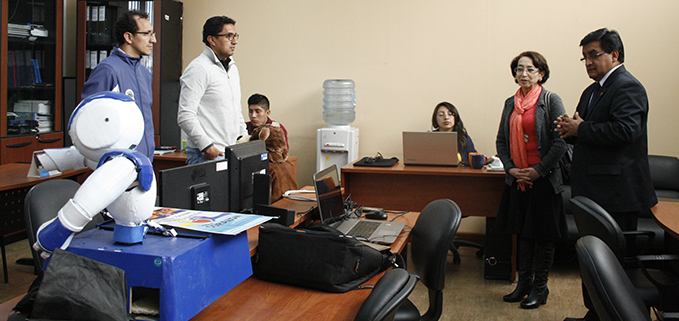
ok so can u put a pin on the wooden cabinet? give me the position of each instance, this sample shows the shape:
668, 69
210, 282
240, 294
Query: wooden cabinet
20, 149
95, 40
30, 86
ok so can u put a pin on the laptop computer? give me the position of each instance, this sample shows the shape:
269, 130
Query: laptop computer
430, 148
331, 209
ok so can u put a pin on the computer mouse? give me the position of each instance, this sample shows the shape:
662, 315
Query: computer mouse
376, 215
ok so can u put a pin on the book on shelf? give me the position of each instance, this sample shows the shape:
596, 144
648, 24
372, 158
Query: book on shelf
28, 74
42, 107
11, 71
207, 221
36, 72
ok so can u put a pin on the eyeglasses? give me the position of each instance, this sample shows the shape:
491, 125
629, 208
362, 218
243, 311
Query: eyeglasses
145, 33
229, 36
591, 57
520, 70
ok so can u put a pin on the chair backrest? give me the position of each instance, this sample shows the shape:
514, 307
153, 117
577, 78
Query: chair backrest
430, 241
664, 175
391, 290
613, 295
43, 202
593, 219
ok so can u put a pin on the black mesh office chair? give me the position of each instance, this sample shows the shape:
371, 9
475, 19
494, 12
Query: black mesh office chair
387, 296
42, 203
429, 243
592, 219
613, 295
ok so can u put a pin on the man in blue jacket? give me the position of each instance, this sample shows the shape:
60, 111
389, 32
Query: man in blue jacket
122, 71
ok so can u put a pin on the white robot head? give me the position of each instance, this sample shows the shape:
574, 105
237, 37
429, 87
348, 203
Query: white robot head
103, 122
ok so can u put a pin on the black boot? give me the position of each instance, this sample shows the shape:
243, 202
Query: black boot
526, 252
544, 256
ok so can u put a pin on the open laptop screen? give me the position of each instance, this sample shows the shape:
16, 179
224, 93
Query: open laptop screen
329, 193
430, 148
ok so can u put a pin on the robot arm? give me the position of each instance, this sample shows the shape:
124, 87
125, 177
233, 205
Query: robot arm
100, 189
61, 159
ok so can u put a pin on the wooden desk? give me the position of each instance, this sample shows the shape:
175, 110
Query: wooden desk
410, 188
254, 299
13, 188
666, 213
476, 191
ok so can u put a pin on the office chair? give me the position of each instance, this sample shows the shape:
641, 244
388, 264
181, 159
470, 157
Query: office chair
612, 293
43, 202
656, 287
429, 243
457, 242
388, 294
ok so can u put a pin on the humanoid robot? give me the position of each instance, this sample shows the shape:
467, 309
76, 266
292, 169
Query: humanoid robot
105, 129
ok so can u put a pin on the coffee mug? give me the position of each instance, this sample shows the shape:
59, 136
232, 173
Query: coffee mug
476, 160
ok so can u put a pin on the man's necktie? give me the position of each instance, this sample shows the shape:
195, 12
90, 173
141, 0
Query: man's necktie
595, 95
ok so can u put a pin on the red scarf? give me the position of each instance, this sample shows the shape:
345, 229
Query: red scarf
517, 143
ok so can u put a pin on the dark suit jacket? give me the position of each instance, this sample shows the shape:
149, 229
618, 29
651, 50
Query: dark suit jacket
610, 153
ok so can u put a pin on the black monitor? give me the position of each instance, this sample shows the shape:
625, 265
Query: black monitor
245, 160
201, 186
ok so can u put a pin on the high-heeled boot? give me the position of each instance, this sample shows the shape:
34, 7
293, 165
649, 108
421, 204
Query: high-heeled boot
544, 256
526, 250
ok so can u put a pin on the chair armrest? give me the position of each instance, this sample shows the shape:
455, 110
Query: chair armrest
658, 257
649, 241
665, 262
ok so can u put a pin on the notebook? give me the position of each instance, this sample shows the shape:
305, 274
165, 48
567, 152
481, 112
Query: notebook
430, 148
331, 209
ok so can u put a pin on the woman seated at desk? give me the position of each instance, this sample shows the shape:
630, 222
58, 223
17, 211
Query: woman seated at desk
446, 118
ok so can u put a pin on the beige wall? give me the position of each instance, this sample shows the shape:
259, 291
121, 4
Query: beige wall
405, 57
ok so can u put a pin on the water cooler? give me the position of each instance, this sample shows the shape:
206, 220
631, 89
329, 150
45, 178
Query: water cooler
338, 142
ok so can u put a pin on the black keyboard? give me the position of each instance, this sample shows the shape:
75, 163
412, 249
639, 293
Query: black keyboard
363, 229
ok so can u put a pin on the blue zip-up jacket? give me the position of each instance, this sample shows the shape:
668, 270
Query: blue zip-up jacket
122, 73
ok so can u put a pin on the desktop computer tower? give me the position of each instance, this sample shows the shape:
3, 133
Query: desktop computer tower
498, 260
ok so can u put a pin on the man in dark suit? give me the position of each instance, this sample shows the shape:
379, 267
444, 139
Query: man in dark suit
608, 130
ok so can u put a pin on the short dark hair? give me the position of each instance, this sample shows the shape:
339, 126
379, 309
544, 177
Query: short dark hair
458, 127
538, 60
214, 26
260, 100
127, 23
610, 41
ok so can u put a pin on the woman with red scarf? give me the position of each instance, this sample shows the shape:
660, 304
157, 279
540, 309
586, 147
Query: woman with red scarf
530, 149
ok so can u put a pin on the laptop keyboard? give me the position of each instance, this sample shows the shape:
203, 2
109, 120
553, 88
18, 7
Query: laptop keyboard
363, 229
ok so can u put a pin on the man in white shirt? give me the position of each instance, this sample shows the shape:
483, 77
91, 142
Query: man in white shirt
209, 101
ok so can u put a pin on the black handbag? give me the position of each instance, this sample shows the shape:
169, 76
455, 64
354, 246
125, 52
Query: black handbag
76, 288
320, 258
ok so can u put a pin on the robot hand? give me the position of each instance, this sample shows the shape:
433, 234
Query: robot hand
57, 237
58, 232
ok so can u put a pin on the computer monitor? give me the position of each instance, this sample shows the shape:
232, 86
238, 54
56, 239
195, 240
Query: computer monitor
245, 160
201, 186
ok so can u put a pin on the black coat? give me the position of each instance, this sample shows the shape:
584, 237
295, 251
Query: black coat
610, 153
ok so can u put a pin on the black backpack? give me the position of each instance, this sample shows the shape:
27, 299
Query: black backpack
320, 258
